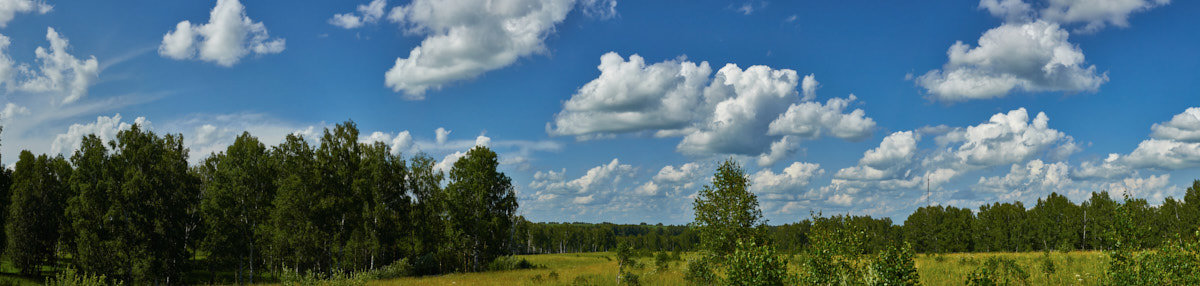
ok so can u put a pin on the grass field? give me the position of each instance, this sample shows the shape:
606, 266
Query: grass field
1074, 268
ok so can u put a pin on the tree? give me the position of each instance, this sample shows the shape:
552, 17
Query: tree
154, 205
727, 211
425, 183
298, 241
236, 203
38, 195
481, 204
92, 241
5, 196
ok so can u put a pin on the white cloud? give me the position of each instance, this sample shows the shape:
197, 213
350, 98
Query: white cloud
229, 36
1008, 138
630, 96
106, 128
888, 161
1095, 15
369, 13
673, 181
735, 112
467, 38
792, 178
399, 143
1031, 56
809, 87
12, 110
747, 101
1010, 10
599, 183
58, 71
1034, 174
1182, 127
1111, 167
10, 8
809, 119
442, 135
1164, 154
601, 9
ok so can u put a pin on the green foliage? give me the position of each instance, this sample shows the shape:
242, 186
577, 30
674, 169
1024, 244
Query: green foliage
895, 266
236, 204
70, 277
998, 271
699, 271
505, 263
36, 211
662, 261
337, 278
1174, 263
397, 269
753, 264
480, 205
726, 211
835, 255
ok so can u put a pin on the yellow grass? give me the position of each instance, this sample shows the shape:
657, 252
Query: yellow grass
1075, 268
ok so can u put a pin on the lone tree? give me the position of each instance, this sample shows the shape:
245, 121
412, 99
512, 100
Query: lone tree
727, 211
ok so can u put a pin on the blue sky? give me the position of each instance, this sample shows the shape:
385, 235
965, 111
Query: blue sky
618, 111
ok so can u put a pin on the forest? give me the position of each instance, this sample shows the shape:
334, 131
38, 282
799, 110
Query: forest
133, 210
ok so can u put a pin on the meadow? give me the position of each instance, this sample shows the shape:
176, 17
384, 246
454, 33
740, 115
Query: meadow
600, 268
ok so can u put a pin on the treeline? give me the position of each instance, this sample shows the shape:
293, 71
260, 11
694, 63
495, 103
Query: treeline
1053, 223
542, 238
132, 209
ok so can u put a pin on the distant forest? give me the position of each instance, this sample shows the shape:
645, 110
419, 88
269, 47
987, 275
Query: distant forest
134, 210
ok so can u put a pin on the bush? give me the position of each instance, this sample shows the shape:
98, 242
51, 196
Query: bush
998, 271
537, 279
397, 269
895, 266
699, 272
1047, 264
504, 263
553, 275
753, 264
70, 277
630, 279
426, 264
662, 261
337, 278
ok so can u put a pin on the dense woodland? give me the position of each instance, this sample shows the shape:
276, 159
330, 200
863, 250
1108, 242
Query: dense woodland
134, 210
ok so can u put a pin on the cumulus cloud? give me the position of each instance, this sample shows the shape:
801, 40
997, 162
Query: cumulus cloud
442, 135
630, 96
1096, 15
1182, 127
105, 127
369, 13
464, 39
448, 162
229, 36
1031, 56
599, 184
57, 73
752, 112
790, 180
809, 119
673, 181
887, 161
1010, 10
748, 100
1032, 174
398, 143
1009, 138
12, 110
10, 8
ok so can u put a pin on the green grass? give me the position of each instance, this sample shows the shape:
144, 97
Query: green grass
1074, 268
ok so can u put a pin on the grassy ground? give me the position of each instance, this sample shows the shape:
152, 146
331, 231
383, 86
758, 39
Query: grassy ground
1075, 268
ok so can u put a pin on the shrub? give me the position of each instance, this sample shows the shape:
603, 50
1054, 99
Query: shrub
998, 271
553, 275
699, 272
400, 268
504, 263
70, 277
337, 278
895, 266
662, 261
753, 264
1047, 264
537, 279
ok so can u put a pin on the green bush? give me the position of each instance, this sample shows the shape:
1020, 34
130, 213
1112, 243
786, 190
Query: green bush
400, 268
998, 271
699, 271
662, 261
504, 263
70, 277
895, 266
337, 278
753, 264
